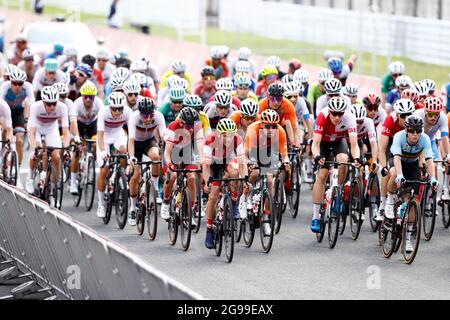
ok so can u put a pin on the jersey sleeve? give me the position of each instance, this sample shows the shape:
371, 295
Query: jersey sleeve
3, 90
199, 137
240, 155
161, 123
132, 126
32, 120
207, 148
371, 133
282, 148
385, 84
320, 124
101, 120
64, 115
6, 114
427, 150
388, 125
290, 114
443, 120
396, 148
30, 92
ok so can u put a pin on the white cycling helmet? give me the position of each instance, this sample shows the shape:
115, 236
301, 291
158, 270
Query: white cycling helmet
178, 66
301, 75
422, 88
179, 83
223, 97
243, 66
138, 66
351, 90
293, 88
122, 73
131, 86
140, 78
216, 52
249, 108
116, 100
244, 53
287, 78
324, 75
430, 84
396, 67
274, 61
70, 51
404, 106
225, 50
224, 84
62, 88
102, 54
49, 94
117, 83
359, 111
333, 86
18, 75
337, 104
403, 81
9, 69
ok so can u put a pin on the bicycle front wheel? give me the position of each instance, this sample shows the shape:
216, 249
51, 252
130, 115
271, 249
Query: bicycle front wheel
249, 223
334, 217
185, 220
151, 207
89, 185
173, 220
121, 191
429, 212
411, 232
356, 209
278, 203
228, 229
294, 194
374, 201
266, 221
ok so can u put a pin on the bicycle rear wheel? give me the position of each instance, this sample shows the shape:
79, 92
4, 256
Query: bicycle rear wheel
428, 212
140, 217
388, 237
89, 185
446, 214
198, 204
80, 177
218, 237
228, 229
173, 220
413, 234
278, 203
12, 174
356, 208
333, 220
374, 201
185, 220
249, 223
121, 191
266, 237
109, 199
294, 194
151, 207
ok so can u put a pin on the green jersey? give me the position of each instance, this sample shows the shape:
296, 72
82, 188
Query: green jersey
168, 113
314, 94
387, 83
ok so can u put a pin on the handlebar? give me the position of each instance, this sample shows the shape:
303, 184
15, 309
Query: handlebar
148, 163
185, 170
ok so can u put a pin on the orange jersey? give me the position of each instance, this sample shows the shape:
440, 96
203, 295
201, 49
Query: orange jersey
255, 139
286, 111
236, 117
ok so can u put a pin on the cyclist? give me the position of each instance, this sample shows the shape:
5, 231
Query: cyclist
275, 61
68, 61
171, 109
194, 101
63, 90
395, 122
333, 88
147, 85
285, 109
151, 71
223, 156
412, 95
86, 109
318, 89
340, 71
246, 116
109, 132
18, 94
409, 148
105, 66
43, 122
423, 93
82, 73
294, 65
28, 65
117, 80
396, 69
227, 85
181, 137
302, 76
269, 75
334, 125
7, 70
244, 68
372, 103
58, 50
243, 90
206, 88
47, 76
146, 129
172, 82
218, 62
16, 52
131, 90
220, 108
178, 68
244, 54
97, 74
402, 83
351, 91
265, 146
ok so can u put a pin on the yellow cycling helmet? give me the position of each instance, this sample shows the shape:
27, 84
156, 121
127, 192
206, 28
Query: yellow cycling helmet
226, 126
88, 89
268, 70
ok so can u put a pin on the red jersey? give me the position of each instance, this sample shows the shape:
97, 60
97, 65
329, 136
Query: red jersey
391, 126
180, 137
215, 150
330, 132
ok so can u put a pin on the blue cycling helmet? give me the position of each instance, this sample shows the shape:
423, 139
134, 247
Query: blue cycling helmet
58, 48
86, 69
335, 65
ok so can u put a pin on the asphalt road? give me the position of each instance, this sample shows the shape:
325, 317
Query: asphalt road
296, 268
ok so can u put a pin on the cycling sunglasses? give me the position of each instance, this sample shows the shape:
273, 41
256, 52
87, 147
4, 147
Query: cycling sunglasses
270, 126
243, 86
102, 60
276, 99
18, 84
208, 78
248, 118
51, 72
133, 94
406, 115
116, 109
359, 122
397, 74
219, 106
188, 126
372, 107
337, 114
414, 130
177, 102
50, 104
88, 97
433, 114
291, 97
271, 77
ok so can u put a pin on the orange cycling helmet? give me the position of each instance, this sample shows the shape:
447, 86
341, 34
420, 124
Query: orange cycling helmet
270, 116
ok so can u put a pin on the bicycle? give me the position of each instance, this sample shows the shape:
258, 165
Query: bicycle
428, 206
372, 198
224, 225
180, 209
279, 199
86, 174
293, 182
146, 206
393, 231
9, 164
116, 193
261, 198
445, 204
332, 206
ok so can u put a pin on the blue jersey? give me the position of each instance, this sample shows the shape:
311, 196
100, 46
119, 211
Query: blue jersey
411, 153
392, 97
447, 89
252, 84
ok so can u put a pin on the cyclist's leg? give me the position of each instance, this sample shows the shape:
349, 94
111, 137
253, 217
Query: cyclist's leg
139, 149
341, 151
18, 122
101, 180
53, 139
391, 188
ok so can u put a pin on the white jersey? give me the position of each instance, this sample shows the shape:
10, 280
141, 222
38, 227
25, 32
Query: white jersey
40, 80
70, 107
211, 110
83, 115
45, 122
5, 115
301, 110
441, 125
108, 124
380, 116
322, 102
367, 130
139, 131
133, 108
163, 96
15, 101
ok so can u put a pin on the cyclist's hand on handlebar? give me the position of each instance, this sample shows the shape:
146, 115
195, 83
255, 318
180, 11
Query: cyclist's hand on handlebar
104, 155
358, 163
132, 161
384, 171
400, 180
77, 139
374, 167
434, 183
319, 160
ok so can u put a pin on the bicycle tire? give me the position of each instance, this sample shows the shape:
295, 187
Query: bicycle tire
249, 225
374, 199
218, 237
60, 188
198, 204
414, 206
185, 220
173, 220
151, 207
294, 194
323, 223
278, 203
335, 214
238, 230
445, 213
356, 207
388, 237
89, 187
140, 218
11, 171
109, 199
77, 198
266, 245
121, 203
228, 229
428, 215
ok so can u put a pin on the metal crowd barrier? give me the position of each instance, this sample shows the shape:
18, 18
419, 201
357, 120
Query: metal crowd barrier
70, 260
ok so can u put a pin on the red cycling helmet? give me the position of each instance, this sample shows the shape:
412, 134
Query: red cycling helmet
433, 104
371, 100
411, 94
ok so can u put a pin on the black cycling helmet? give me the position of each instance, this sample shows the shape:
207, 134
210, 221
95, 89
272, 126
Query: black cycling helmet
276, 89
188, 115
89, 60
208, 71
123, 62
146, 105
414, 122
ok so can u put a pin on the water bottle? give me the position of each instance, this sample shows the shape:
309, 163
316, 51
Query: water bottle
401, 209
255, 203
220, 210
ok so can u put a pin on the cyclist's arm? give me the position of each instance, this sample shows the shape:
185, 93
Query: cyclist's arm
32, 137
428, 155
66, 137
354, 148
168, 153
74, 127
200, 142
398, 165
101, 140
131, 147
382, 148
